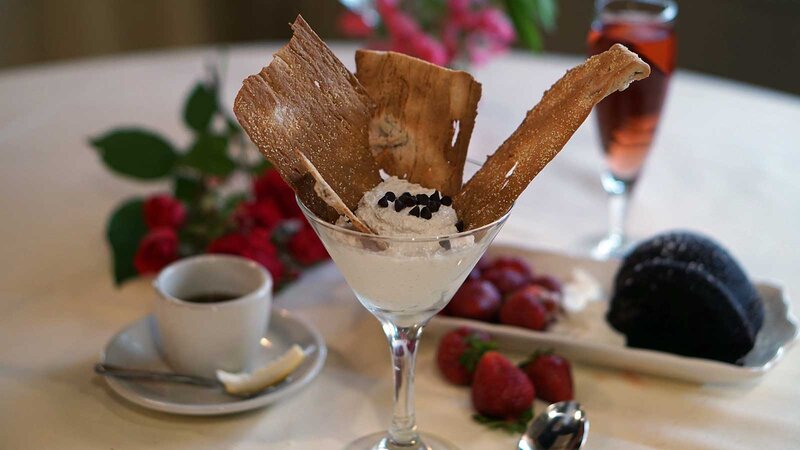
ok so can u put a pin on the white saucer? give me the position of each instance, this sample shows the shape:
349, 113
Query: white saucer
136, 347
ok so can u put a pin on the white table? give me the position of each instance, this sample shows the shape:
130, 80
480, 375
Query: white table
725, 163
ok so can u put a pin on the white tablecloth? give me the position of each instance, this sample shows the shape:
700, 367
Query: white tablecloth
725, 163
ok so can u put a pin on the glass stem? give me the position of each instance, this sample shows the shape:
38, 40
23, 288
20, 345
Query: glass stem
619, 191
617, 215
403, 343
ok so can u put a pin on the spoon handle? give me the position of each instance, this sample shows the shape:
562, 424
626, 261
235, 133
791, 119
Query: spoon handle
147, 375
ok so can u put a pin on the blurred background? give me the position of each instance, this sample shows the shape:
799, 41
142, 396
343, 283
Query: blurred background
755, 41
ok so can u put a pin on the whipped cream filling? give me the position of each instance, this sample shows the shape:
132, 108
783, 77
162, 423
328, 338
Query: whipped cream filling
387, 221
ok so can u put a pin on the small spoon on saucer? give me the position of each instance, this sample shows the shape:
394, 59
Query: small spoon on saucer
109, 370
562, 426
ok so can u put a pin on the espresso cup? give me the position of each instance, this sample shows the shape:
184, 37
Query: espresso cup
200, 333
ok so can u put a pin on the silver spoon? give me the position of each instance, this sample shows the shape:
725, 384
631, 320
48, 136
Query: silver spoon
562, 426
109, 370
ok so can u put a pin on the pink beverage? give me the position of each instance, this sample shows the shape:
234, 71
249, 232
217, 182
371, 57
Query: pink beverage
628, 119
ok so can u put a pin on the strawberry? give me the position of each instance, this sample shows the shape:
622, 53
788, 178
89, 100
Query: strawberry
500, 389
475, 299
513, 263
552, 376
505, 279
459, 352
548, 282
524, 308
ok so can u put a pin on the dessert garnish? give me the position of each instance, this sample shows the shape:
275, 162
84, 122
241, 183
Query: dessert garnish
489, 194
328, 132
263, 377
423, 120
306, 101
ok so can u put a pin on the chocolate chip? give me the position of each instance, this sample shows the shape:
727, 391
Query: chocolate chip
383, 203
435, 196
414, 211
405, 194
390, 196
434, 205
460, 226
425, 213
399, 204
445, 244
447, 201
422, 199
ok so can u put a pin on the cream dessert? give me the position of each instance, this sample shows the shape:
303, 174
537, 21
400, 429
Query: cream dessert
399, 208
411, 277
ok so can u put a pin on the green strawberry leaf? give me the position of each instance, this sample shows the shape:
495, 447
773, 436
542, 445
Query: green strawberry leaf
476, 347
136, 153
125, 229
200, 107
535, 355
509, 426
209, 155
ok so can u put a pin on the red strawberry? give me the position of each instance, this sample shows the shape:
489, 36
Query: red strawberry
513, 263
500, 389
475, 299
459, 352
505, 279
552, 376
548, 282
524, 308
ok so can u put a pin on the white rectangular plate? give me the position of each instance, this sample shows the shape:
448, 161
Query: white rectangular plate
587, 337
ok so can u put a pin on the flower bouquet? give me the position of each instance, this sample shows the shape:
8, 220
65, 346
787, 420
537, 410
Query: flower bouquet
204, 212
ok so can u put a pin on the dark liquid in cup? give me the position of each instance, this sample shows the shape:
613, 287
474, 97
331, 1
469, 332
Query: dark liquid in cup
211, 297
628, 119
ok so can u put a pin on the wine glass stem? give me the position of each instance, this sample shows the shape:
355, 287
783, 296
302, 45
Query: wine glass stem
617, 215
403, 342
619, 192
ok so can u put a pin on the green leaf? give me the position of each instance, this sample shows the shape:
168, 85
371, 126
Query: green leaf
136, 153
476, 347
125, 229
509, 426
233, 127
200, 107
524, 16
209, 155
187, 188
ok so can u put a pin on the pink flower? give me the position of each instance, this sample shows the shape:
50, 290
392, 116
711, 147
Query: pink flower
353, 25
255, 245
429, 49
270, 185
493, 23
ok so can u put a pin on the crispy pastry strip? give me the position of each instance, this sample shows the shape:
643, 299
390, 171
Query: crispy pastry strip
424, 117
306, 100
491, 192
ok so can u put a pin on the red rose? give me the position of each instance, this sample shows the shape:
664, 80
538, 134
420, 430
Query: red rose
270, 185
255, 245
306, 246
263, 213
163, 211
157, 249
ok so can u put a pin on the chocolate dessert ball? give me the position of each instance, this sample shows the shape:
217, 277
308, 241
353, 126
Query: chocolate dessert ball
683, 293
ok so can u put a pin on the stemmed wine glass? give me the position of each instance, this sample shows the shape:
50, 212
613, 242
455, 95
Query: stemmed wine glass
627, 120
403, 282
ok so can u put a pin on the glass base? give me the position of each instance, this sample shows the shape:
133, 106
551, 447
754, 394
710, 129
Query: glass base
612, 246
380, 441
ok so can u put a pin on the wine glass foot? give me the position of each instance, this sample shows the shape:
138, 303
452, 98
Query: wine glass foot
612, 246
380, 441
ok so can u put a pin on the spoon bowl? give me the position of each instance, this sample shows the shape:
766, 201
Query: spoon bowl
562, 426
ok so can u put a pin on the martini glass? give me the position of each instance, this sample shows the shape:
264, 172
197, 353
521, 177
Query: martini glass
403, 282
